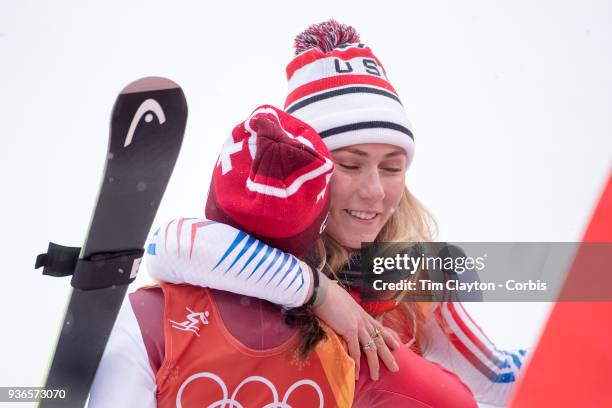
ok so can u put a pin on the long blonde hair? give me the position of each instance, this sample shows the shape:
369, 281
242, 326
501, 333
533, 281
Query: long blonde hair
410, 222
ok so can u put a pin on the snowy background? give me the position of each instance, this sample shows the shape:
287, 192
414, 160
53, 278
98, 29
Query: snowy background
510, 103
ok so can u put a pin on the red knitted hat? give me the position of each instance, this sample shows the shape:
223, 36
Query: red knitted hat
271, 181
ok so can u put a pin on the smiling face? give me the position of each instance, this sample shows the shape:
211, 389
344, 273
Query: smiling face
366, 187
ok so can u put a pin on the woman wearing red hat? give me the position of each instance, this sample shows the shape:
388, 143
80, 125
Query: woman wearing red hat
183, 345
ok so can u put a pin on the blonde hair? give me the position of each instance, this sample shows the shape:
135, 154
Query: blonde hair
410, 222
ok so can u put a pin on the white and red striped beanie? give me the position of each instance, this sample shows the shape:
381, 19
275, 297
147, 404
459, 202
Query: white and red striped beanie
271, 180
341, 89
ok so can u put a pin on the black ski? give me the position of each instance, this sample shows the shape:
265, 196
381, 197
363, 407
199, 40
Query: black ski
147, 127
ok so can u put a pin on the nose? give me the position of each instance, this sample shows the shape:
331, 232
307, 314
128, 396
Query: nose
371, 188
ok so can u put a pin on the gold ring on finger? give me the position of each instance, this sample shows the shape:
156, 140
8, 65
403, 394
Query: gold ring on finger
377, 333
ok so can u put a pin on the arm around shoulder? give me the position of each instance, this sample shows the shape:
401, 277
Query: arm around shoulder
210, 254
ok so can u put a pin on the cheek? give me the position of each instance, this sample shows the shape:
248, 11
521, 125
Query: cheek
340, 193
339, 190
394, 190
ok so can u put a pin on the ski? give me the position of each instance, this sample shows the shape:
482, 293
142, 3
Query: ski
147, 126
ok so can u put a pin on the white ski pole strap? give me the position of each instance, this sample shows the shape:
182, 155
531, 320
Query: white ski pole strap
97, 271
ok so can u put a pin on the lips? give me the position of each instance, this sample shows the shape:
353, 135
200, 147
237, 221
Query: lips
362, 215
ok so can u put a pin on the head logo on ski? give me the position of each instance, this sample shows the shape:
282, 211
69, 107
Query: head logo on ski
146, 106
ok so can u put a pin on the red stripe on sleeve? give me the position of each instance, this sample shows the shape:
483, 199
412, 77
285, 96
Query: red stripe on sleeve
194, 229
166, 235
178, 236
467, 353
471, 335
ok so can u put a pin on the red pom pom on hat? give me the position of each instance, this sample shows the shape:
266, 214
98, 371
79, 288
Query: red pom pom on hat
271, 181
325, 36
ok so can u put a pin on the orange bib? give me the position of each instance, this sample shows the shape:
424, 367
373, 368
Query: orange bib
204, 365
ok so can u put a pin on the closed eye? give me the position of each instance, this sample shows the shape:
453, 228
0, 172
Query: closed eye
348, 166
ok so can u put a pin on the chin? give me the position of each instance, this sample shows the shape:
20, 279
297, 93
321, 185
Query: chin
353, 245
350, 237
356, 244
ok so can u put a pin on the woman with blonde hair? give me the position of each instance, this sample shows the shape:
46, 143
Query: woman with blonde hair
340, 88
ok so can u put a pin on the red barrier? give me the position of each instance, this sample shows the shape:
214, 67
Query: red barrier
572, 364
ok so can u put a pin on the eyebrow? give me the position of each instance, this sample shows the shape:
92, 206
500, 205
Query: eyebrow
395, 153
359, 152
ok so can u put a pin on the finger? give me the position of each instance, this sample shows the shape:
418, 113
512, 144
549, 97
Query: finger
385, 355
354, 353
370, 353
382, 340
391, 338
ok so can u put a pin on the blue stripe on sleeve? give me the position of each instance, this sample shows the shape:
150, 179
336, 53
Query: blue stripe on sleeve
291, 267
151, 249
261, 261
505, 378
233, 245
299, 272
277, 254
516, 359
245, 248
285, 258
257, 250
301, 284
